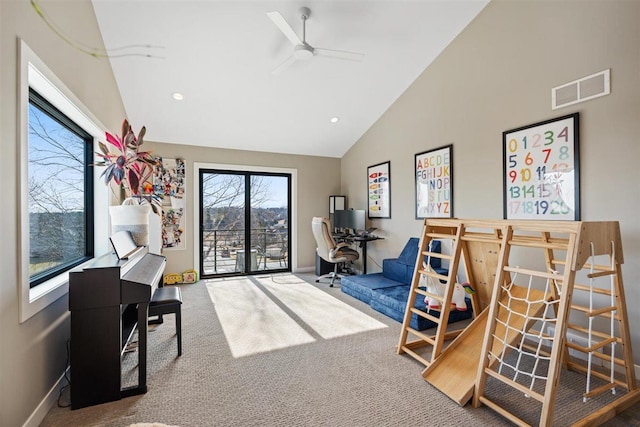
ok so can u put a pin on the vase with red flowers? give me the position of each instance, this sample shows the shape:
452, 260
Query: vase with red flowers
130, 169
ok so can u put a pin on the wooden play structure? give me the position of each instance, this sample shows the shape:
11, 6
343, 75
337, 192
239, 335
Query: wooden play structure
549, 294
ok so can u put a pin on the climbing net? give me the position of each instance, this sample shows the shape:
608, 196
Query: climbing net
525, 306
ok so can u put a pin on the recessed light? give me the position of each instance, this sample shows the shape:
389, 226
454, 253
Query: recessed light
335, 119
177, 96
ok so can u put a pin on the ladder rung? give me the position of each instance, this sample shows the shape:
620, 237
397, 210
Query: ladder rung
601, 274
596, 267
599, 390
604, 312
437, 255
433, 274
421, 292
581, 368
585, 331
441, 236
415, 344
416, 356
607, 358
535, 273
595, 290
480, 238
429, 294
593, 348
537, 244
421, 313
586, 266
424, 337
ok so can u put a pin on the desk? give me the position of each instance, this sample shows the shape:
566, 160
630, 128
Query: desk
362, 240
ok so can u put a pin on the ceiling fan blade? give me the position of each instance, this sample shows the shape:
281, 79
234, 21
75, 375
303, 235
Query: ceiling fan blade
338, 54
284, 27
280, 68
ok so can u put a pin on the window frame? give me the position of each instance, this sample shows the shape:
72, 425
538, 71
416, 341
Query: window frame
54, 113
34, 73
293, 209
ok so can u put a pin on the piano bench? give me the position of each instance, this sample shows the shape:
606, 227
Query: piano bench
167, 300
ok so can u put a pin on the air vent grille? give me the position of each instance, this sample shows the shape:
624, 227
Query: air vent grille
593, 86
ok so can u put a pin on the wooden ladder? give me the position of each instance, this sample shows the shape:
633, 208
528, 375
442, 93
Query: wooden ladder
449, 233
579, 241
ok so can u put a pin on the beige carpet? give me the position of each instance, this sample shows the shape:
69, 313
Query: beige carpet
272, 315
329, 374
150, 425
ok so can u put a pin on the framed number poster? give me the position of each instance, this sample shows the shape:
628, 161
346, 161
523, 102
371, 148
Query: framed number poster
541, 170
434, 183
379, 190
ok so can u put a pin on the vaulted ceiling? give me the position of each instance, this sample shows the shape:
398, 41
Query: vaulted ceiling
219, 55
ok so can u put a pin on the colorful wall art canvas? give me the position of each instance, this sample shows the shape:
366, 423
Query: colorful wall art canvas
169, 185
379, 190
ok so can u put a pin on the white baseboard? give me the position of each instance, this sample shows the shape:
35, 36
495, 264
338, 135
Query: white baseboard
46, 404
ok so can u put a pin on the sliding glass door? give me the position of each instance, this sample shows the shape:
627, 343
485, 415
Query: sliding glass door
244, 222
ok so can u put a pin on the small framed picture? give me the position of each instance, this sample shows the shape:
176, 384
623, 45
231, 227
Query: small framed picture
379, 190
434, 183
541, 177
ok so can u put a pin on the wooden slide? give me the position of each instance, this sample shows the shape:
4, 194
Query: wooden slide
454, 372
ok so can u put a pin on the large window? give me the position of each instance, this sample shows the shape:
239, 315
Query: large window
242, 213
63, 215
60, 192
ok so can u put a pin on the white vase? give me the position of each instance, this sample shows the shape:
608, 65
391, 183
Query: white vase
133, 218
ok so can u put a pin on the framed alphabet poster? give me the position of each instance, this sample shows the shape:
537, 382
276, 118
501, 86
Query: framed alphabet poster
434, 183
379, 190
541, 170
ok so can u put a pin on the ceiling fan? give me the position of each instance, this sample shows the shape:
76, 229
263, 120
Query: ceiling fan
303, 50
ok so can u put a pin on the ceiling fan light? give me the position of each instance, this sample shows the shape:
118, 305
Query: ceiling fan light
302, 52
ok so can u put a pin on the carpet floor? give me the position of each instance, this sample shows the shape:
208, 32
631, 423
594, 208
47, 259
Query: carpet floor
281, 350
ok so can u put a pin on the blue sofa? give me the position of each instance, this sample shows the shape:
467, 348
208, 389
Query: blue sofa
387, 292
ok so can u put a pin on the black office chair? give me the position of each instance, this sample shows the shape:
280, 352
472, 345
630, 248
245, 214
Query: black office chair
167, 300
328, 250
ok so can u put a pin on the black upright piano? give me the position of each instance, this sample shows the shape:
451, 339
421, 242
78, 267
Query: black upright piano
108, 299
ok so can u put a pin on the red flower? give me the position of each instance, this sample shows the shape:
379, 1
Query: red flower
128, 166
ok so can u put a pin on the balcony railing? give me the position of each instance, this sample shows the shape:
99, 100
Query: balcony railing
223, 250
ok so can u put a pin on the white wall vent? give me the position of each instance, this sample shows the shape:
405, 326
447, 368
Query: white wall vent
593, 86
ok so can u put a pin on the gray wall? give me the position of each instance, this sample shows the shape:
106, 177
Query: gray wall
33, 354
497, 75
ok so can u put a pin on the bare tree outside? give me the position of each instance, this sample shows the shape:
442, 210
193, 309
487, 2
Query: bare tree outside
56, 193
224, 214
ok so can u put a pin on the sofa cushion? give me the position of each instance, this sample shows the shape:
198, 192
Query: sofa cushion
397, 271
409, 252
401, 269
361, 286
393, 301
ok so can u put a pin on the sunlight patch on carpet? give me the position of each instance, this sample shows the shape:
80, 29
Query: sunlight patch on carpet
251, 321
328, 316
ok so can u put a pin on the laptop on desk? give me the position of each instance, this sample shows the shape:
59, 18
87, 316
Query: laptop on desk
367, 232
